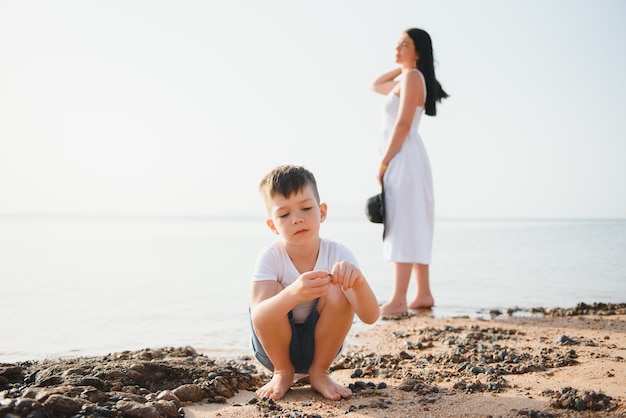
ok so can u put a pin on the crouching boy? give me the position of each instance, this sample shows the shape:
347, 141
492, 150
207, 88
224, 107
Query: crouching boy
305, 289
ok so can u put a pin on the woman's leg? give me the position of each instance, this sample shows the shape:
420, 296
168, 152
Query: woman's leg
423, 297
397, 303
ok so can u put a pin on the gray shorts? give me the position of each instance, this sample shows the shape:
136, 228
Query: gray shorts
302, 344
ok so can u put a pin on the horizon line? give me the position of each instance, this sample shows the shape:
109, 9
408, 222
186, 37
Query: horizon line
249, 216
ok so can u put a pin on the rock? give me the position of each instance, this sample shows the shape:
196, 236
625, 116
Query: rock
31, 392
135, 409
167, 409
102, 411
38, 413
44, 393
78, 380
25, 406
63, 405
94, 395
99, 386
116, 396
168, 395
220, 387
80, 371
408, 384
565, 340
191, 393
11, 373
135, 376
49, 377
112, 375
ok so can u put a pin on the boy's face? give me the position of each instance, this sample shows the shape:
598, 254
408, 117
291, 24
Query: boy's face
296, 218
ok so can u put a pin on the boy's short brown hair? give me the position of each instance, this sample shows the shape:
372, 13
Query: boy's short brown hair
285, 180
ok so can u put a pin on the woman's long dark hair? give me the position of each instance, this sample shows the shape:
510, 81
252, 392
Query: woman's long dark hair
426, 65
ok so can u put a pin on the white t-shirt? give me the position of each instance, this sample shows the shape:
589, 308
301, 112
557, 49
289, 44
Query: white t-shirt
275, 264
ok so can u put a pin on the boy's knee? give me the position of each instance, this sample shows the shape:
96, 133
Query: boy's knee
337, 302
261, 322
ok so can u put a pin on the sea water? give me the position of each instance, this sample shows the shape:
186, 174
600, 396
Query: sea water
84, 285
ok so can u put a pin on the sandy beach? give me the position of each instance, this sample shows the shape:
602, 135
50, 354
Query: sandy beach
560, 363
565, 362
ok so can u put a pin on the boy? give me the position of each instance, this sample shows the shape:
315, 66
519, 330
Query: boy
305, 289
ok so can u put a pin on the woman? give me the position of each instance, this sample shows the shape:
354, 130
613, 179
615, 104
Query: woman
405, 169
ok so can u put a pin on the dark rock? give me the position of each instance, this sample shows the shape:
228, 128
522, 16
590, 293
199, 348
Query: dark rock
63, 405
573, 399
11, 373
117, 396
102, 411
138, 410
49, 376
565, 340
38, 413
77, 380
167, 409
25, 406
94, 395
220, 387
404, 355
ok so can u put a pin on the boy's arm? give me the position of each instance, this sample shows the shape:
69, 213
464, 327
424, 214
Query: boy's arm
362, 298
357, 291
269, 299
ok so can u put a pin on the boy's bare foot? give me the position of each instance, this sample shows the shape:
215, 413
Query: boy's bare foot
327, 387
422, 302
390, 308
276, 388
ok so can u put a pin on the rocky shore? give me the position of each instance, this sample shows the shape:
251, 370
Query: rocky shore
146, 383
540, 363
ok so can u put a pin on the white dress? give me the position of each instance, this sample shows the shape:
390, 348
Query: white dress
409, 199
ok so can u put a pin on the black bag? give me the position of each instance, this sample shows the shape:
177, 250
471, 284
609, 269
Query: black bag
375, 208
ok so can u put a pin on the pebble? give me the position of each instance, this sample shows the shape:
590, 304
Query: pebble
578, 400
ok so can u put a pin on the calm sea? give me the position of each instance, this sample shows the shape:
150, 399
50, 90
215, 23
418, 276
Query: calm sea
74, 286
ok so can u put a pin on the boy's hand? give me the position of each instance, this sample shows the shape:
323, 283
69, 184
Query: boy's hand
345, 275
311, 285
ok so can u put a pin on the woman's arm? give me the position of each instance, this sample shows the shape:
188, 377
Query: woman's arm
411, 95
386, 82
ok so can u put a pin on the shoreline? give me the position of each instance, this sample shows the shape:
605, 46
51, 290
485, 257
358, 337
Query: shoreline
556, 362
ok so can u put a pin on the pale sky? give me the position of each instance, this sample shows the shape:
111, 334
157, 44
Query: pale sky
147, 107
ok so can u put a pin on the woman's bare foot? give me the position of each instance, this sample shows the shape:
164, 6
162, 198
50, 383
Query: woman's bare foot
422, 302
391, 308
327, 387
276, 388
